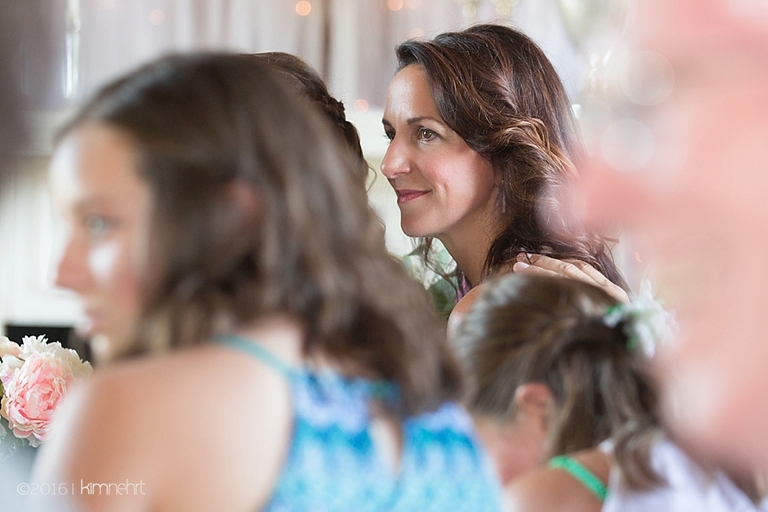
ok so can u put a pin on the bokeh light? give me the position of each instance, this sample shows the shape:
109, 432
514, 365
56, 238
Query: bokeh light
156, 17
627, 145
303, 8
648, 79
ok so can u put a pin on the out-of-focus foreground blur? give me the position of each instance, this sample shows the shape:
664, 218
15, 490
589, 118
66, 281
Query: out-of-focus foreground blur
680, 163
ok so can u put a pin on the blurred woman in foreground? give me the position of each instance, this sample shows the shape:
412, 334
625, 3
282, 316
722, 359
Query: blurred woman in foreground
268, 352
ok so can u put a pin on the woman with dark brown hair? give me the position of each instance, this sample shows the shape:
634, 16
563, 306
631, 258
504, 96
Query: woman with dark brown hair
482, 145
266, 352
557, 371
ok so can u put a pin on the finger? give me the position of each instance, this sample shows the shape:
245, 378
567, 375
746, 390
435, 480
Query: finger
591, 271
561, 267
576, 270
522, 267
603, 282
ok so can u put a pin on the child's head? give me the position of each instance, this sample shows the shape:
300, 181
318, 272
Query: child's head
539, 358
203, 194
308, 83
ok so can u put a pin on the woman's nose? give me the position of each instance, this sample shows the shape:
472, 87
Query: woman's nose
395, 162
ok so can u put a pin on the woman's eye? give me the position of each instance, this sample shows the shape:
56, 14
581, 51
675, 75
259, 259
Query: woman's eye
97, 226
389, 135
426, 134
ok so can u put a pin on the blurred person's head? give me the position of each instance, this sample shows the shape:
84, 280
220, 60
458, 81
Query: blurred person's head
547, 376
696, 207
492, 88
308, 83
201, 195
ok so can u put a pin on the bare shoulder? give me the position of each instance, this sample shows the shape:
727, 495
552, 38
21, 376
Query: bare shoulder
541, 490
461, 309
553, 490
173, 422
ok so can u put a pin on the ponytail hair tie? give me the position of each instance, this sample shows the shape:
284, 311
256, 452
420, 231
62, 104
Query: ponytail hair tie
643, 320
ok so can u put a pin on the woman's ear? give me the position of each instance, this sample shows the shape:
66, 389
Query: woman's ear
535, 400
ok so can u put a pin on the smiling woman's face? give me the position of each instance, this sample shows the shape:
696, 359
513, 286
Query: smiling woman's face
106, 206
443, 186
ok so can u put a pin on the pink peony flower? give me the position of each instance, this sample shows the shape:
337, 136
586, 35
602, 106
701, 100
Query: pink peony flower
34, 385
7, 347
9, 359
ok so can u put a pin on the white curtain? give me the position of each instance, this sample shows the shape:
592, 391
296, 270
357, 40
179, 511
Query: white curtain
351, 42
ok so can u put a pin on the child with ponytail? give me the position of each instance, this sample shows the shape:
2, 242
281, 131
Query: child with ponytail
559, 389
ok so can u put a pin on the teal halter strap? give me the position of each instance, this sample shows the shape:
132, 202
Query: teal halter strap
580, 473
254, 349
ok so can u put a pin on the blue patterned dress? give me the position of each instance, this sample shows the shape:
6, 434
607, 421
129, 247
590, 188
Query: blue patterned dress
334, 465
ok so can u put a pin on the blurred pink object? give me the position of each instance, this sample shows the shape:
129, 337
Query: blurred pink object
34, 382
697, 207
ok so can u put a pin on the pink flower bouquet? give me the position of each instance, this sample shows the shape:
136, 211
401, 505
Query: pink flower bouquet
34, 378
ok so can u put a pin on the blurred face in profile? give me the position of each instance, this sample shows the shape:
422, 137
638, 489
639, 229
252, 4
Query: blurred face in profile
696, 207
106, 206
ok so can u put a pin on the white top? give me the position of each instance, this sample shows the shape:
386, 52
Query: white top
689, 488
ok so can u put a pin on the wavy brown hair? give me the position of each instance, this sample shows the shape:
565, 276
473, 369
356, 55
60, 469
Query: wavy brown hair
495, 88
550, 330
203, 124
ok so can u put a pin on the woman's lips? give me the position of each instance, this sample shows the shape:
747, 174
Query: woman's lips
404, 195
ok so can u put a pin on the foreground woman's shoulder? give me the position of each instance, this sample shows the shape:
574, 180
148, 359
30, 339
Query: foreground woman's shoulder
170, 422
461, 309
